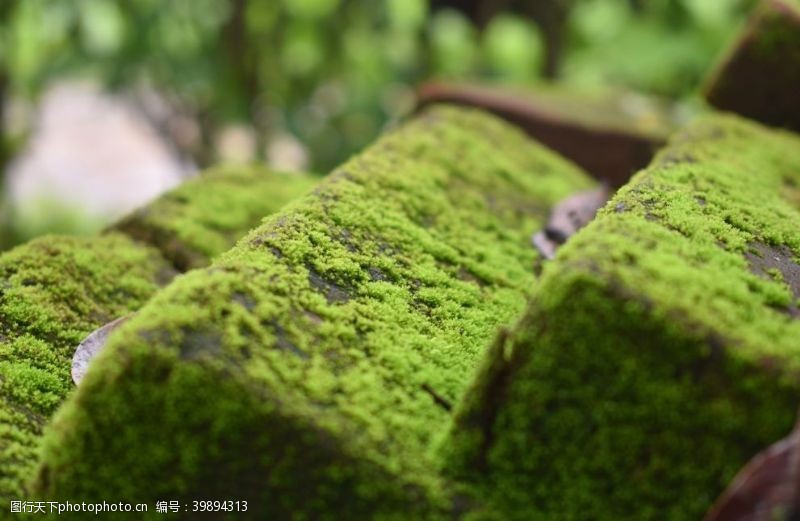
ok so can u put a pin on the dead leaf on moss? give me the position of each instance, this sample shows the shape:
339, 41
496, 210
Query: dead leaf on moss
567, 217
767, 488
90, 346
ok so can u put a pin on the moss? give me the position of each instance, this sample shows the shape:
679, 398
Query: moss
205, 216
310, 369
768, 48
55, 290
660, 355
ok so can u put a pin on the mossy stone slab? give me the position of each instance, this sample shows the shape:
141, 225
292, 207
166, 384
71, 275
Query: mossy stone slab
610, 134
206, 215
55, 290
311, 369
760, 75
662, 350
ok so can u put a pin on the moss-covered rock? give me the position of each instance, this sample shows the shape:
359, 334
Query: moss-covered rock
206, 215
760, 75
610, 134
55, 290
310, 370
663, 348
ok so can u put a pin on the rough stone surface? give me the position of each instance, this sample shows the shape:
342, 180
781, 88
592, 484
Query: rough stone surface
658, 358
56, 290
760, 75
310, 369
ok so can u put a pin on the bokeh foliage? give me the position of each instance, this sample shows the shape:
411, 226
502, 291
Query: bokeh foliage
665, 47
332, 73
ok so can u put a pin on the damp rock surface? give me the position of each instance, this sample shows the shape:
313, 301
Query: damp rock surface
311, 368
661, 349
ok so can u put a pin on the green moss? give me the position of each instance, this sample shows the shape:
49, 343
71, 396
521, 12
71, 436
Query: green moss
55, 290
660, 354
311, 368
206, 215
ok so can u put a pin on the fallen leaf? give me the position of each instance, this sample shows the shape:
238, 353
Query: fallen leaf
767, 488
90, 346
567, 217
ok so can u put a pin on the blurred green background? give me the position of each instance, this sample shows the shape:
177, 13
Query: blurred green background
316, 80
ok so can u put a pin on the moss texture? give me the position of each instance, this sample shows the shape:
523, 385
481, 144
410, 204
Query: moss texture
662, 350
55, 290
311, 368
206, 215
760, 75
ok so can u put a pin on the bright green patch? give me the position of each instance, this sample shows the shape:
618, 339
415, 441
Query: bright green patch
658, 357
206, 215
56, 290
311, 368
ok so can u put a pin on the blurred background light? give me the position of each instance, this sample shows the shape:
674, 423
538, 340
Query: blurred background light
177, 85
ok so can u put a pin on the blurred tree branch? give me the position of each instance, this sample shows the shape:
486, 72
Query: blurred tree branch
551, 17
241, 57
